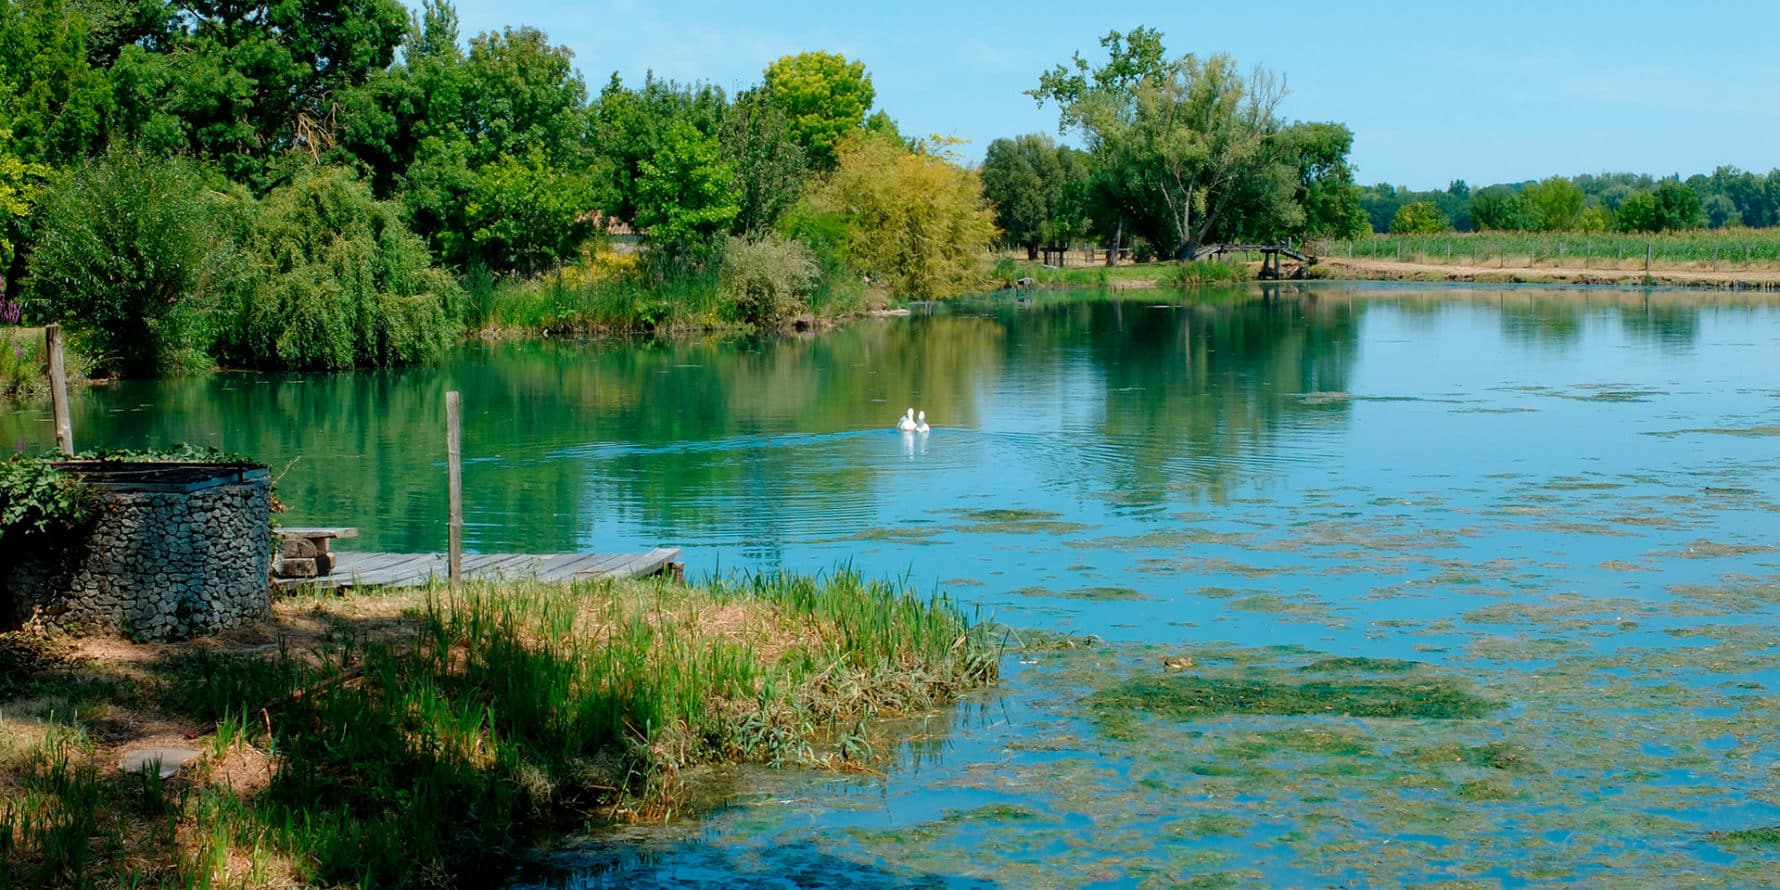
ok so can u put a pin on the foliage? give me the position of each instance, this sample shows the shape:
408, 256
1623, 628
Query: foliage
1420, 218
38, 504
631, 127
1038, 189
1668, 207
129, 256
1179, 143
56, 103
20, 184
914, 222
1505, 209
769, 279
825, 96
336, 281
769, 165
1556, 202
524, 214
686, 192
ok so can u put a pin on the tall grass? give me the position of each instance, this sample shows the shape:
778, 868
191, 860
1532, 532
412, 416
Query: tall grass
1165, 273
23, 368
1719, 250
510, 708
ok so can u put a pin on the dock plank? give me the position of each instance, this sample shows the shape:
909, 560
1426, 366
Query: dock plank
358, 568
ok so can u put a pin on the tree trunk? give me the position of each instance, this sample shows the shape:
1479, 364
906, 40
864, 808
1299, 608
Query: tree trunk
1031, 253
1112, 253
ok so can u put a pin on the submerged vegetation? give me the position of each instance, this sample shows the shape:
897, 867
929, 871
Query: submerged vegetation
391, 751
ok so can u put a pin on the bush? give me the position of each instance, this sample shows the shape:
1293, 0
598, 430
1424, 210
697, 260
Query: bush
128, 257
1420, 218
769, 279
337, 282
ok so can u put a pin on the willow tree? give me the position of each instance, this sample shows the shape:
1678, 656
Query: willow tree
1181, 141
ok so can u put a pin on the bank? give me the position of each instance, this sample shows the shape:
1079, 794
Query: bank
403, 739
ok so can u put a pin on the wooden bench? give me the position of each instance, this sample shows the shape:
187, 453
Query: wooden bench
304, 553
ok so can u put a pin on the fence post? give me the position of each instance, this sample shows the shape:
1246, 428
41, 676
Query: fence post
454, 469
1649, 247
58, 388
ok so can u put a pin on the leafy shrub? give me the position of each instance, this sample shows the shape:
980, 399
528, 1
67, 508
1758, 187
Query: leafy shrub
1420, 218
337, 282
128, 257
769, 279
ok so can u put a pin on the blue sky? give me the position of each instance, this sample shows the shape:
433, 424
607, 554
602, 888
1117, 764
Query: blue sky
1487, 92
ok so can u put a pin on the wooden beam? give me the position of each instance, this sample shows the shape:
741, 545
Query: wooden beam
58, 388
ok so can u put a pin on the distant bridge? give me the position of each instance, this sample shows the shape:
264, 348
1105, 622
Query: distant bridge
1270, 254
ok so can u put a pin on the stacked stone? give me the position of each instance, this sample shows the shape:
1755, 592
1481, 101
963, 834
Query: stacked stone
156, 564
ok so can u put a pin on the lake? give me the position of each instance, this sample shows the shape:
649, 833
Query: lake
1473, 584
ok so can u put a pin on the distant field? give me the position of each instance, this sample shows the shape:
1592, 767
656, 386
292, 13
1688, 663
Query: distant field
1728, 250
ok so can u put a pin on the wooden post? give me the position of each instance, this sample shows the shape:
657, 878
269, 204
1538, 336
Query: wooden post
454, 469
1648, 248
58, 388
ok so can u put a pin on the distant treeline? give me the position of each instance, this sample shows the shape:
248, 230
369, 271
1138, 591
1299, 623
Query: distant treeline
1626, 202
309, 183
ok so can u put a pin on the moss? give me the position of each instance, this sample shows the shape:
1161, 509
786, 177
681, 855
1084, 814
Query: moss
1194, 697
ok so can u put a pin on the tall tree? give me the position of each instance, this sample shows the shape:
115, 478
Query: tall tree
686, 191
825, 95
1189, 136
769, 165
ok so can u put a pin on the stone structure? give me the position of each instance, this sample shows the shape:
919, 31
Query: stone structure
175, 550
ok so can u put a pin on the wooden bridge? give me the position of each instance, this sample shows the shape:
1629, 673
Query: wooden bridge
1270, 254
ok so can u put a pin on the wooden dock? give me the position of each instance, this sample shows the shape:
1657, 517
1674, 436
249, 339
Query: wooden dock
360, 569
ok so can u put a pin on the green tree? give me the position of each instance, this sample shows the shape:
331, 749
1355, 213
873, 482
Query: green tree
333, 280
1188, 139
826, 97
524, 214
1503, 208
1667, 207
1325, 186
686, 193
630, 127
241, 83
769, 165
915, 222
128, 255
58, 104
1556, 201
1420, 218
1024, 179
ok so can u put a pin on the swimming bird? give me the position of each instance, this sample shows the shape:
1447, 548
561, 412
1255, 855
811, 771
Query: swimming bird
906, 423
921, 422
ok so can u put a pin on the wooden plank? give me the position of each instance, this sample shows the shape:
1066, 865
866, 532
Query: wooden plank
603, 566
318, 532
373, 569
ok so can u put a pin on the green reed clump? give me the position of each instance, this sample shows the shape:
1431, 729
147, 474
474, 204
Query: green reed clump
50, 821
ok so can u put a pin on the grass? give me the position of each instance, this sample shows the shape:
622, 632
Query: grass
1157, 274
1716, 250
403, 752
23, 373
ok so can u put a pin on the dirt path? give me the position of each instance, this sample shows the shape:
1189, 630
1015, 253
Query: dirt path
1388, 270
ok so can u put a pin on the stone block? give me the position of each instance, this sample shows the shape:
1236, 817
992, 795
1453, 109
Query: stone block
299, 548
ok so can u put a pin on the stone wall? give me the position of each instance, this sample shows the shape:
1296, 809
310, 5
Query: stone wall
161, 560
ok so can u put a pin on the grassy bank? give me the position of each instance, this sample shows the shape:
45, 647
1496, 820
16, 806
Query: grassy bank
422, 739
1008, 272
22, 364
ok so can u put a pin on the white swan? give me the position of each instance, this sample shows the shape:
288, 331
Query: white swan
921, 423
906, 423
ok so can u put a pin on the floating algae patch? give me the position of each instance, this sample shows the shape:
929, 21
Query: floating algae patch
1747, 432
1361, 665
904, 535
1009, 521
1704, 549
1505, 756
995, 812
1083, 593
1748, 838
1196, 697
1297, 605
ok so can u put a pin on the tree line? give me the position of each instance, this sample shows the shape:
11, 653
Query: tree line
1624, 202
307, 183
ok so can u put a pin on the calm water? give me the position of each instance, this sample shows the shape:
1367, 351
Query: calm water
1565, 498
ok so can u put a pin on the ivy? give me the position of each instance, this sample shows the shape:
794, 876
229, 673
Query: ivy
38, 501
